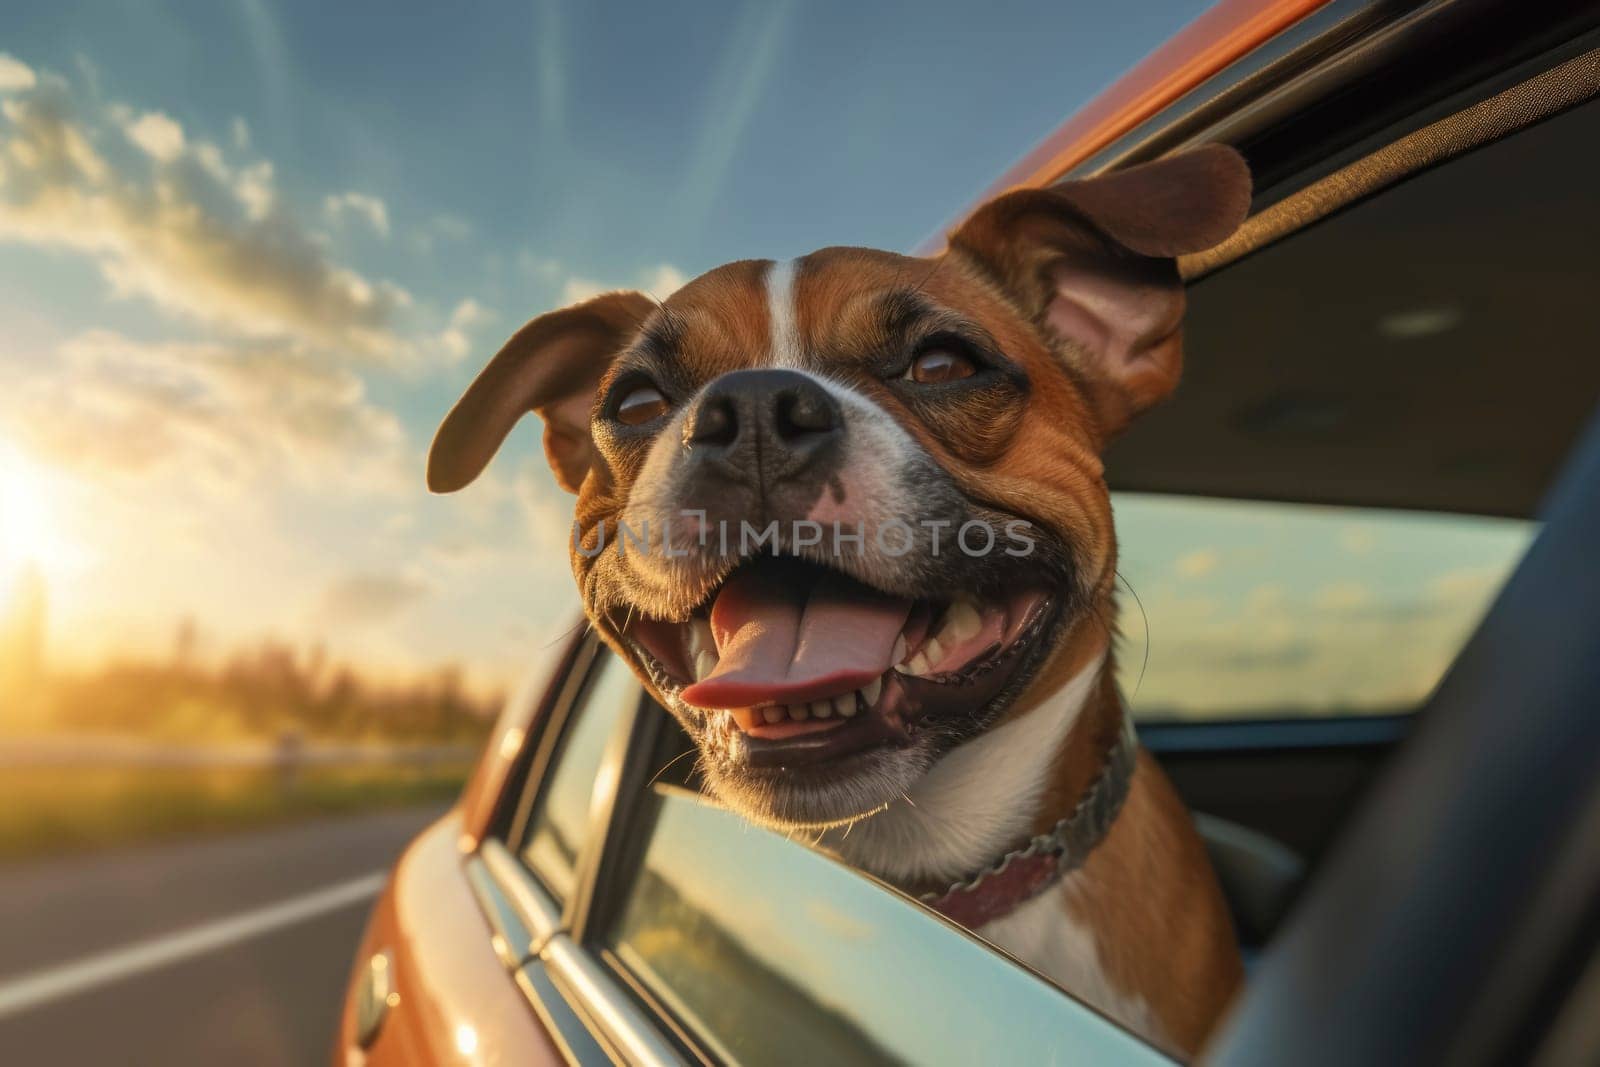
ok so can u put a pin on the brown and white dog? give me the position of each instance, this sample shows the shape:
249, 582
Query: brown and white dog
784, 472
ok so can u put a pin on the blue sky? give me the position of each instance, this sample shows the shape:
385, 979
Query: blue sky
611, 138
250, 252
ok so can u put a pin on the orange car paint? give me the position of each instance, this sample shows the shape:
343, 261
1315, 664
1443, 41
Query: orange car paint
457, 1002
1217, 38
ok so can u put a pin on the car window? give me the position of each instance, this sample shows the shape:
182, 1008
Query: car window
766, 952
1394, 375
561, 817
1243, 608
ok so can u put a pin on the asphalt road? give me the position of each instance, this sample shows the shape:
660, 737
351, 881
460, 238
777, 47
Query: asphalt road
229, 950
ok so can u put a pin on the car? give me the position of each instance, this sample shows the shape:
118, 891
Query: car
1392, 365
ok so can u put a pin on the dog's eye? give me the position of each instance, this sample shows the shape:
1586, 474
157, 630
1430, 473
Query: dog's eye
940, 364
641, 404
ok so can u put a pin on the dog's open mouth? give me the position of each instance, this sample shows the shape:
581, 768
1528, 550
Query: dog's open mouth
807, 664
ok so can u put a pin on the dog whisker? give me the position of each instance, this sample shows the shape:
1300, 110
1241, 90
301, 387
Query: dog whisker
657, 776
583, 625
1146, 619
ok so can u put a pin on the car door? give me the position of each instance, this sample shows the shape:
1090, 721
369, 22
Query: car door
657, 927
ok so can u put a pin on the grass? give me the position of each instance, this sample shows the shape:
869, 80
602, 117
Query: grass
54, 810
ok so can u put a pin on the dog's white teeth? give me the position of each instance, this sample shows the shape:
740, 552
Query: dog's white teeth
818, 709
932, 652
917, 665
898, 656
961, 621
700, 639
704, 663
845, 706
869, 693
773, 713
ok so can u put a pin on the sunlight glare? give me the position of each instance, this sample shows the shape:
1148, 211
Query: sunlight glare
466, 1039
30, 532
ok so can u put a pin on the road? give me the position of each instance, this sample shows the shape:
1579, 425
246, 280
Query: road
223, 950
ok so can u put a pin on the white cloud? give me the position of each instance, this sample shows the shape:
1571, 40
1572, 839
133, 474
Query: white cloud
663, 281
157, 134
254, 187
660, 282
579, 289
456, 338
368, 208
256, 413
1198, 564
546, 515
15, 74
185, 229
239, 130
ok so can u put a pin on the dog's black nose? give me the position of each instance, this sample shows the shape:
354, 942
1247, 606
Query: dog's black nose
769, 423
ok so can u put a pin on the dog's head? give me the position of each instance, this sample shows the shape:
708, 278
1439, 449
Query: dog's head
843, 513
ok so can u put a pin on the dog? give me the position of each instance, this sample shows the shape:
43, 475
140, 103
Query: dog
845, 517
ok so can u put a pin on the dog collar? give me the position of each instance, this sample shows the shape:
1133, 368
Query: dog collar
1023, 873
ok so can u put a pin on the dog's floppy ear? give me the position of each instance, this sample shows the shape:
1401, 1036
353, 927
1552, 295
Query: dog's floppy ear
551, 366
1092, 262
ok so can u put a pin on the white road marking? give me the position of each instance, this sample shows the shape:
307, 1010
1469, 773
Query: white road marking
68, 979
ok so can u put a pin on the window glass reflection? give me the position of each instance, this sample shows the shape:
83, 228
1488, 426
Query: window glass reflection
1269, 609
562, 818
771, 953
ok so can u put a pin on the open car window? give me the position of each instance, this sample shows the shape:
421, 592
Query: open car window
1370, 413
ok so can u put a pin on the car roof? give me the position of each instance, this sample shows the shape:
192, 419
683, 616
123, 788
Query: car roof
1214, 40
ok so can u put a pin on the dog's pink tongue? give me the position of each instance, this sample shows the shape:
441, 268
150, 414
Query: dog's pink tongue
779, 641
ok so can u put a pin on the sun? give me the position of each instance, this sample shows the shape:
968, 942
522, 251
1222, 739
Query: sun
30, 532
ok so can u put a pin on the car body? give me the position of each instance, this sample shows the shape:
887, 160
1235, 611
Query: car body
582, 903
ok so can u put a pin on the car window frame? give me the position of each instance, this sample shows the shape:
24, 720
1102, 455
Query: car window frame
535, 783
593, 1020
523, 784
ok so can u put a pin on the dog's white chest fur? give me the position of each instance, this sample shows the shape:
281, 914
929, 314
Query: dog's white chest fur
1045, 934
977, 801
973, 804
